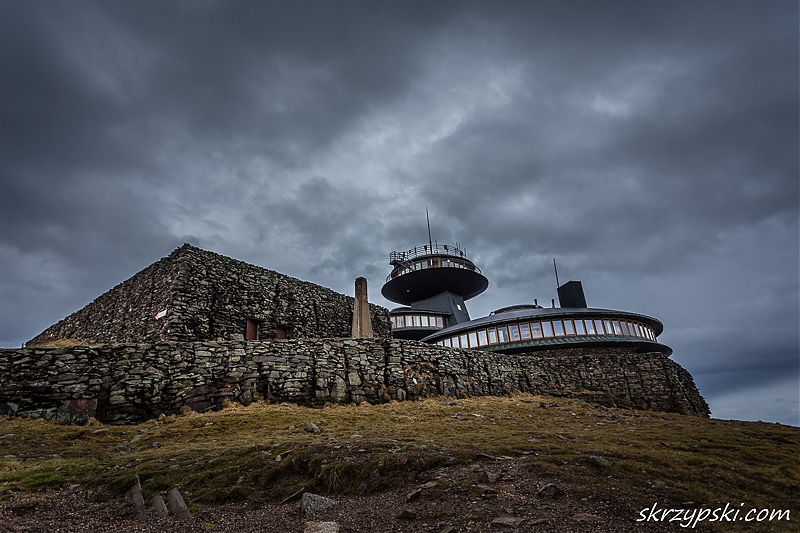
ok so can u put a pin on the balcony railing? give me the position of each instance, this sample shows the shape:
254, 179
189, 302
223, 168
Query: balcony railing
447, 257
418, 251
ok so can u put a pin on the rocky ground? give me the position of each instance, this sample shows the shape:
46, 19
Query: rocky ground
495, 494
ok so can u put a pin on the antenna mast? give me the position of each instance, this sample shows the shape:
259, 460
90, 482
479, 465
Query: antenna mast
556, 271
430, 241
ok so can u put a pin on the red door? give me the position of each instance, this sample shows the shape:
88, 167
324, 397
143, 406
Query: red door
251, 330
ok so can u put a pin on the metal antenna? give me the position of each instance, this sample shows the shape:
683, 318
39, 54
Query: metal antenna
556, 270
430, 241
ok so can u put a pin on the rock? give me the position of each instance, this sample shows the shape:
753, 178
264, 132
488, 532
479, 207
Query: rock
486, 489
134, 496
407, 514
549, 491
506, 521
177, 505
159, 506
413, 495
321, 527
585, 517
311, 503
492, 477
599, 462
311, 427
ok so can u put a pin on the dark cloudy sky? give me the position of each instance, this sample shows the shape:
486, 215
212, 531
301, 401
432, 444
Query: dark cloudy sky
651, 147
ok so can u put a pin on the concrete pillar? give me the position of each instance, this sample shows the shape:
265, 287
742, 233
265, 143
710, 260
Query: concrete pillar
362, 321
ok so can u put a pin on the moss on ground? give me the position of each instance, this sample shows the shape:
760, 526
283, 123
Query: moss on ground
262, 452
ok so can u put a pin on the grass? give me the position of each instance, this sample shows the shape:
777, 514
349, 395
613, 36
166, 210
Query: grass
261, 452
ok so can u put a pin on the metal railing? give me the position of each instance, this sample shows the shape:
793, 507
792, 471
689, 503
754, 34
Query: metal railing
434, 249
404, 262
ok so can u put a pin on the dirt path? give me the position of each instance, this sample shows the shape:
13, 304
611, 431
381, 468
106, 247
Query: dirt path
494, 495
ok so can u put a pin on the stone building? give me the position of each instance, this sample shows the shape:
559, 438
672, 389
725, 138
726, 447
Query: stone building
197, 295
196, 329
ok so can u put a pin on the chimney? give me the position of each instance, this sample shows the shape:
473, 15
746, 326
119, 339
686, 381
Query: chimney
571, 294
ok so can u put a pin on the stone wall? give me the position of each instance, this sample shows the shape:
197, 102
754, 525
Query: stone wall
207, 296
128, 383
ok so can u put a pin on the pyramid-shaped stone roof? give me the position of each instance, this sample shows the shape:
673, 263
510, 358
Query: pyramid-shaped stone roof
197, 295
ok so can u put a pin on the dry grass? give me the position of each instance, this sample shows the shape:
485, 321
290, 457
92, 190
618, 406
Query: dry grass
61, 343
254, 452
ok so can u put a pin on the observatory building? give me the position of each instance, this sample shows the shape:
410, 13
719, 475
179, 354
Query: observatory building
432, 282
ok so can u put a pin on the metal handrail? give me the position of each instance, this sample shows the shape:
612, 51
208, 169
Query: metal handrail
433, 249
397, 272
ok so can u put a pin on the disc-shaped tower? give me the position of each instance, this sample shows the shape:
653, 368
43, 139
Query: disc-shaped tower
432, 282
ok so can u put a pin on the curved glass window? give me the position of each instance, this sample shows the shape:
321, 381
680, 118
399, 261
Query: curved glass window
525, 331
473, 339
417, 321
502, 334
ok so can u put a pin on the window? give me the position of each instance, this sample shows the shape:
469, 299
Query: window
558, 328
598, 327
607, 324
439, 322
536, 330
424, 321
513, 332
617, 328
525, 330
502, 334
463, 339
625, 330
579, 330
547, 328
589, 327
473, 339
492, 332
416, 321
448, 343
400, 322
482, 341
568, 328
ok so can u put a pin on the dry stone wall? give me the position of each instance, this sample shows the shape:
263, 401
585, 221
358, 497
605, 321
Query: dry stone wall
197, 295
129, 383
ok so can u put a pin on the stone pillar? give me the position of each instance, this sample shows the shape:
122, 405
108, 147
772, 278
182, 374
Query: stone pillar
362, 321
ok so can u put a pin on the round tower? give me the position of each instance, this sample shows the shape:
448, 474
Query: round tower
432, 282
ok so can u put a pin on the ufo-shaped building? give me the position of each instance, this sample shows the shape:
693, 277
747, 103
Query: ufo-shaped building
432, 282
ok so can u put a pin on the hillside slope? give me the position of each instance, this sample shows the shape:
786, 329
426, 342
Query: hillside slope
526, 463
